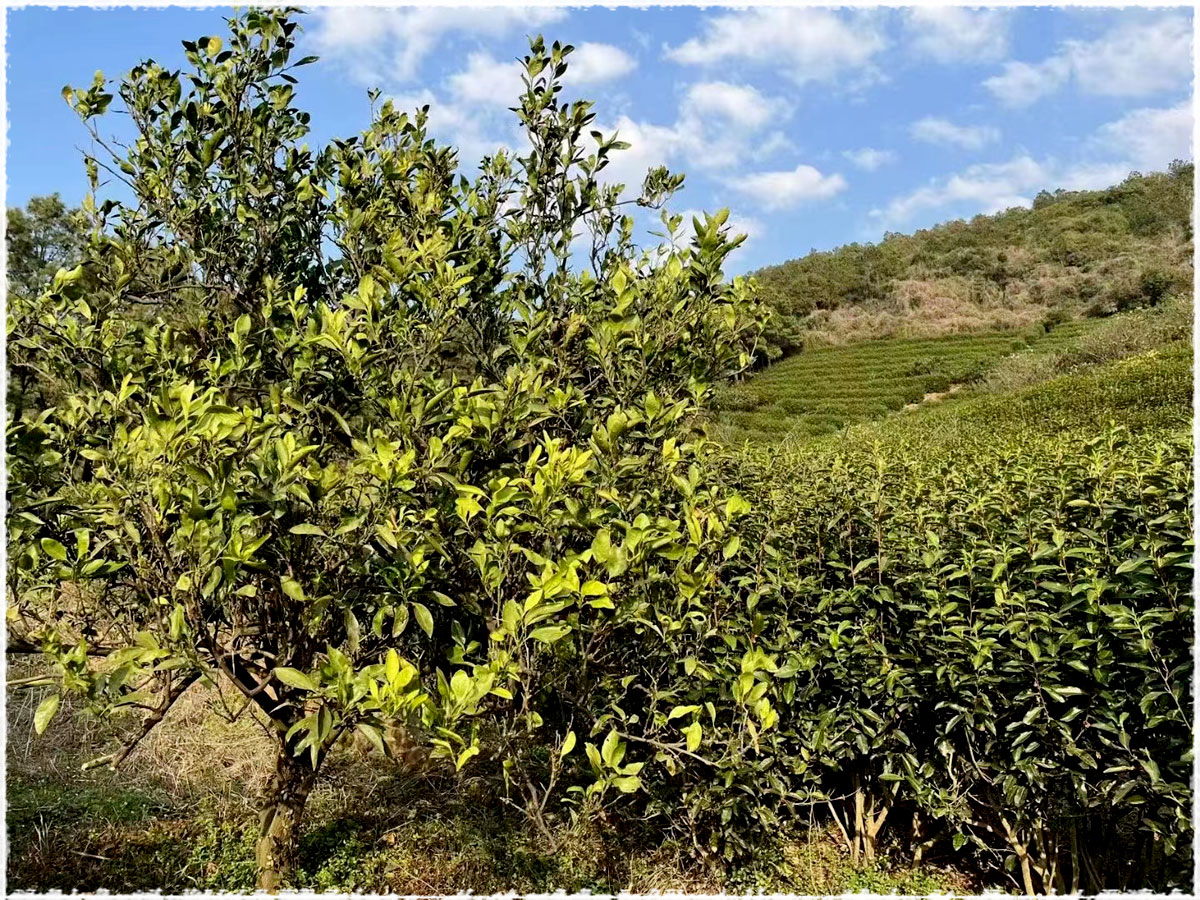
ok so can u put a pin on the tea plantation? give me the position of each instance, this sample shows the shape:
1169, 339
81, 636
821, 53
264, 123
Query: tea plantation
361, 539
997, 631
822, 390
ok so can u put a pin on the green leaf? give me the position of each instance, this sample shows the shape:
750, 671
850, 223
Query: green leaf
308, 528
609, 749
627, 784
400, 622
295, 678
424, 618
1151, 768
463, 757
292, 588
178, 623
46, 711
548, 634
53, 548
693, 733
682, 711
372, 734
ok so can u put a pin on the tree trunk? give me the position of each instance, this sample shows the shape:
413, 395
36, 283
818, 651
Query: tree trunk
277, 850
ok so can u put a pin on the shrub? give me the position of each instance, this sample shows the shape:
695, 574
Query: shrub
1054, 318
924, 365
735, 399
995, 650
1155, 284
444, 479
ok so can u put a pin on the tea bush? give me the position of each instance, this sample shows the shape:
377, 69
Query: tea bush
818, 391
981, 634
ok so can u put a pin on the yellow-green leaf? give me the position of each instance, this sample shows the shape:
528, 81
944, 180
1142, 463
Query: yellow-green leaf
568, 744
548, 634
627, 784
308, 528
295, 678
292, 588
46, 711
53, 548
424, 618
465, 756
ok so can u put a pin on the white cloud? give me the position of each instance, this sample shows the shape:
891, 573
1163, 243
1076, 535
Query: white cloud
650, 145
789, 188
387, 47
487, 81
1145, 139
806, 45
722, 125
1132, 60
719, 126
737, 104
939, 131
987, 187
1089, 176
382, 46
598, 63
950, 34
1135, 60
868, 158
1021, 84
1149, 138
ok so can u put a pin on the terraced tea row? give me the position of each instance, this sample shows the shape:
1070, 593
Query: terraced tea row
823, 390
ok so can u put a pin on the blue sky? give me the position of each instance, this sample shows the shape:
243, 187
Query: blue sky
815, 126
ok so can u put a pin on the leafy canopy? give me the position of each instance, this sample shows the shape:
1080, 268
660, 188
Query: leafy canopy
352, 432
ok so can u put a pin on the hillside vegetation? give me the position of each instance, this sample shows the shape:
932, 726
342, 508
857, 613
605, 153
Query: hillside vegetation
1075, 253
819, 391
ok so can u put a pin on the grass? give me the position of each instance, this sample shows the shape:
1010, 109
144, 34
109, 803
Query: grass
181, 816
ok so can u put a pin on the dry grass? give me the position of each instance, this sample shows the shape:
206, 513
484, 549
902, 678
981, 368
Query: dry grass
1124, 335
924, 308
181, 813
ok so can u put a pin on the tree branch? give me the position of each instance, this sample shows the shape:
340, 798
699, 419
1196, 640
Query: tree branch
174, 692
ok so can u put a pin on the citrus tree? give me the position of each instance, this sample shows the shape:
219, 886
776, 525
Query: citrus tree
358, 440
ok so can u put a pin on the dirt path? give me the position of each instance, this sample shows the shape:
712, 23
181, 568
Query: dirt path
935, 396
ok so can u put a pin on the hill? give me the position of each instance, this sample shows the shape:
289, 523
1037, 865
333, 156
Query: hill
1073, 254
